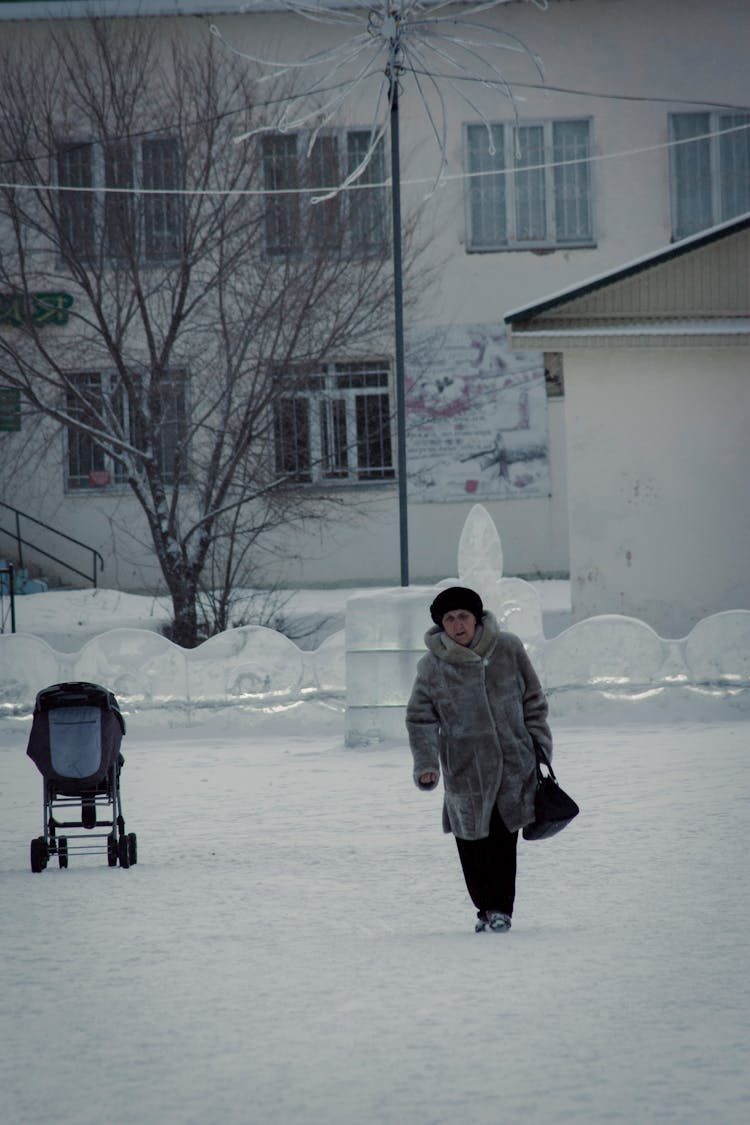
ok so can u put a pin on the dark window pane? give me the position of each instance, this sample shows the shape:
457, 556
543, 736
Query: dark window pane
367, 206
162, 214
280, 173
361, 375
325, 218
292, 437
118, 419
84, 404
554, 378
10, 409
333, 435
119, 209
374, 457
76, 209
172, 429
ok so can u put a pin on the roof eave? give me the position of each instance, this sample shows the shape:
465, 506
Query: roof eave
709, 332
630, 269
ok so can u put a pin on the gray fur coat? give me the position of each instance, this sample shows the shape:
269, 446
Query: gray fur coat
474, 714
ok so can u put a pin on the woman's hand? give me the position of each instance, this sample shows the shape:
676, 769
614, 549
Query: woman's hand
428, 778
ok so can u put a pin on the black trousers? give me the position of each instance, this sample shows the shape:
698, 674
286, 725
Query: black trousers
489, 867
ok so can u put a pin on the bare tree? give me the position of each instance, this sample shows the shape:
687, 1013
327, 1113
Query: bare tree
202, 308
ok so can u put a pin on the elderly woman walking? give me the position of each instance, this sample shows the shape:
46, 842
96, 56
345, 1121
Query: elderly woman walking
476, 710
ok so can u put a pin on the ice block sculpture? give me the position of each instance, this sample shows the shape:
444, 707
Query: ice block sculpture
515, 603
385, 631
384, 640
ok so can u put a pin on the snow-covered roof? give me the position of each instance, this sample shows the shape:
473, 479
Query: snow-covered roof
78, 9
517, 317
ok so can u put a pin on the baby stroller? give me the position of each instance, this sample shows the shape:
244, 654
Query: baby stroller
75, 744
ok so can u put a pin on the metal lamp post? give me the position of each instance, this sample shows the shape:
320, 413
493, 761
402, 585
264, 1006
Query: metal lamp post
391, 30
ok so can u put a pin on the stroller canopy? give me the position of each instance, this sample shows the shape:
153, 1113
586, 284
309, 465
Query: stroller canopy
76, 733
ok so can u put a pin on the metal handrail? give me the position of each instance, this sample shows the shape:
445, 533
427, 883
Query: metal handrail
8, 571
21, 543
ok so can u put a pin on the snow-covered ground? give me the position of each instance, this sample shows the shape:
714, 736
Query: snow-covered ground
295, 945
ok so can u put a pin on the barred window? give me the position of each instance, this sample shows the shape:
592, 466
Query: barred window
529, 186
93, 397
334, 424
709, 176
356, 219
147, 226
88, 463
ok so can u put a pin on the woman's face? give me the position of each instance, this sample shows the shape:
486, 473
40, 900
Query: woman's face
460, 625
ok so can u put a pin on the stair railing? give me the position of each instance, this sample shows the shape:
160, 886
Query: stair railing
6, 588
21, 542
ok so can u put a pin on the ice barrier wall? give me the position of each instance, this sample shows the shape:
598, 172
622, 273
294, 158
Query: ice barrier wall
253, 666
603, 663
368, 669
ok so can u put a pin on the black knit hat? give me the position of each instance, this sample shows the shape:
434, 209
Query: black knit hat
456, 597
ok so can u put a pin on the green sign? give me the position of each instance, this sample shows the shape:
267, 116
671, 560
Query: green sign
34, 308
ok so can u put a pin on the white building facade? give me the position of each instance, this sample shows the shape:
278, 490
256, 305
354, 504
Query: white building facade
659, 508
636, 134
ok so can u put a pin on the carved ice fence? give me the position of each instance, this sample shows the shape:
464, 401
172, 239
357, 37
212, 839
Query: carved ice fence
251, 666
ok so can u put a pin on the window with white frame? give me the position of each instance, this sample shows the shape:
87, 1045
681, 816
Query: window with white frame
149, 225
92, 397
356, 218
334, 424
529, 186
709, 175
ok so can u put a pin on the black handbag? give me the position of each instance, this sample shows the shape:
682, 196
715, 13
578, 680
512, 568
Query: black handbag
553, 808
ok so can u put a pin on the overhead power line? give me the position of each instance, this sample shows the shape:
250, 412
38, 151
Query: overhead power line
414, 182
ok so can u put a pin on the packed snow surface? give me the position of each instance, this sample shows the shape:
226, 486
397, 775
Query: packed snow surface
295, 945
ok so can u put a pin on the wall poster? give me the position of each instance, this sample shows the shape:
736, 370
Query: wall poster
476, 416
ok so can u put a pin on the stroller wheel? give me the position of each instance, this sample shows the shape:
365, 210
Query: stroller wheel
39, 854
132, 848
62, 851
111, 850
123, 852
